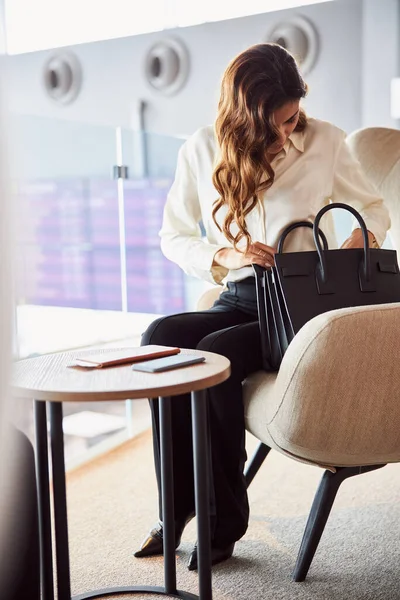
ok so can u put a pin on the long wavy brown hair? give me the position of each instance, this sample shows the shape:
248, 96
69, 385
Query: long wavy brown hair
256, 83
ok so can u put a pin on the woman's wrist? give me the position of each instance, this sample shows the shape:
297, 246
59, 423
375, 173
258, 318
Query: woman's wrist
373, 243
220, 257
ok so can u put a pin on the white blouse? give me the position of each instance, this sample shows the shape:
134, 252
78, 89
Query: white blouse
314, 168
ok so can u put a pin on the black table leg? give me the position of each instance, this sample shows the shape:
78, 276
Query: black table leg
42, 475
167, 494
167, 491
201, 482
60, 501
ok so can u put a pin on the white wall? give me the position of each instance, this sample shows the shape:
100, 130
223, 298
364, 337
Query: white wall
381, 54
114, 82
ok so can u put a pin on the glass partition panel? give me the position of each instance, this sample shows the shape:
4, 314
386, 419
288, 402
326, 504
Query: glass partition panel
68, 288
90, 269
154, 284
69, 238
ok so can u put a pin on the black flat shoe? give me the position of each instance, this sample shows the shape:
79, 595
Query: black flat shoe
217, 555
153, 545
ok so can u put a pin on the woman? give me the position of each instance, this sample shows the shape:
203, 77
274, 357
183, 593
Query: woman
263, 166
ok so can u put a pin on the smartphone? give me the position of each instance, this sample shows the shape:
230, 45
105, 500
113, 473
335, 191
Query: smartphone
167, 363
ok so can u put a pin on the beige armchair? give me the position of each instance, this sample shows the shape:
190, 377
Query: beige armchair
335, 402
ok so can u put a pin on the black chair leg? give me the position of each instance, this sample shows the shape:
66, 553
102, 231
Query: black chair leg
320, 510
257, 460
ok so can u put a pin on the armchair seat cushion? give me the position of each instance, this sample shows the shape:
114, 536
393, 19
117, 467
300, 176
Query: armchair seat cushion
336, 398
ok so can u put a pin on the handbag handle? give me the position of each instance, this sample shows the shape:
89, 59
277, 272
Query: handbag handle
367, 259
290, 228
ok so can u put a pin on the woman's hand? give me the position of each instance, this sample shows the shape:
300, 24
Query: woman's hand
258, 254
356, 240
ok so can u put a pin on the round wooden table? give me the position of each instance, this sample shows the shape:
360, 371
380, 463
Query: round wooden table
51, 379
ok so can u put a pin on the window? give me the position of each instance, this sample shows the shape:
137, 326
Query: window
186, 13
40, 24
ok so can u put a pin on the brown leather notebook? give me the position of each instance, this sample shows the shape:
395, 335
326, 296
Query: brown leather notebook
123, 356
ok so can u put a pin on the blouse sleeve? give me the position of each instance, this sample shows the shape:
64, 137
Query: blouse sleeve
351, 186
181, 239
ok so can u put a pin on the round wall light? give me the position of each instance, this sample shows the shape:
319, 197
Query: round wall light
167, 66
300, 38
62, 77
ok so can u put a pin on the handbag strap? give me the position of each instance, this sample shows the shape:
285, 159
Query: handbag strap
271, 349
366, 267
292, 226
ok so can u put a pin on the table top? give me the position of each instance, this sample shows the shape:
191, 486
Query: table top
50, 377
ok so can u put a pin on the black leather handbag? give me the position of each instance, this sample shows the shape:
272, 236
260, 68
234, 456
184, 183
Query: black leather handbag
303, 285
274, 326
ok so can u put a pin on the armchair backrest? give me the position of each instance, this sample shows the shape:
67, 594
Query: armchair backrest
378, 151
337, 394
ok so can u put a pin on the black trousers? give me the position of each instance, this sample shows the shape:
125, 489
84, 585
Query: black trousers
229, 328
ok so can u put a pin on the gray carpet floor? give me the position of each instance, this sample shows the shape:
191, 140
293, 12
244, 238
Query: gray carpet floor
112, 503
